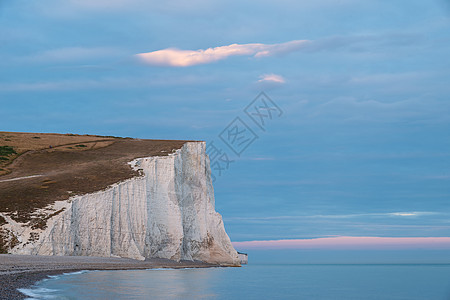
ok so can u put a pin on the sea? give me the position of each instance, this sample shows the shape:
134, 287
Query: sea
255, 281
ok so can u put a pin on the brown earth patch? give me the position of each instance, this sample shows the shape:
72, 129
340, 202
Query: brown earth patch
67, 168
22, 142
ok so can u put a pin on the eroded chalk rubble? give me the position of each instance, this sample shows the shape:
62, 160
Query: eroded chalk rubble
167, 212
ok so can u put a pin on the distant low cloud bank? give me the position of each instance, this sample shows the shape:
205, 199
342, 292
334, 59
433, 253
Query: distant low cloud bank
351, 243
173, 57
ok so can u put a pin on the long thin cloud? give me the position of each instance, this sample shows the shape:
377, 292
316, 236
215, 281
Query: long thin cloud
346, 216
173, 57
349, 243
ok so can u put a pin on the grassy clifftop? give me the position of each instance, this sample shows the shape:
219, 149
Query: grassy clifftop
14, 144
38, 169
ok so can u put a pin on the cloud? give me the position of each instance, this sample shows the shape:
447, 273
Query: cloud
405, 214
343, 216
260, 158
351, 243
104, 83
391, 78
102, 4
273, 78
71, 54
173, 57
172, 6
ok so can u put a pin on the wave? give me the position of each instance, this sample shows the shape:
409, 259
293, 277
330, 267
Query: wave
77, 272
39, 293
36, 293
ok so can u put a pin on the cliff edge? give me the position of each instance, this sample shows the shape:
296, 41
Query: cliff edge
161, 205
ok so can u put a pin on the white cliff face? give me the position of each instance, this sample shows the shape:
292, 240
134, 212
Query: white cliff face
168, 212
243, 257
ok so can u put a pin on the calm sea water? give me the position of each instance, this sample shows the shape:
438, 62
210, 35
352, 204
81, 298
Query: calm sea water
348, 282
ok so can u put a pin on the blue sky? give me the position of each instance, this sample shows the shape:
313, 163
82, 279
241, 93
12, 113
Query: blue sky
362, 146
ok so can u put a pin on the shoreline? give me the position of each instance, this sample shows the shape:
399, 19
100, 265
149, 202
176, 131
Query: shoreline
23, 271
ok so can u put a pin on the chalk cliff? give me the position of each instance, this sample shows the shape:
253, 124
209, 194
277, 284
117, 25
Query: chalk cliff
166, 212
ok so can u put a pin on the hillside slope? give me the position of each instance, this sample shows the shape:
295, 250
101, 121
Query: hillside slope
51, 167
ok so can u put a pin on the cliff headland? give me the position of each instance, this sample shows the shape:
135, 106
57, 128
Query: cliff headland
85, 195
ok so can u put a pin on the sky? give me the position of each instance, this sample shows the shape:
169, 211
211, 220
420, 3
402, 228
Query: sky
355, 140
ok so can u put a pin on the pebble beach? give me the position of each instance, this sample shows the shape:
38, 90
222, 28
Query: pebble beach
21, 271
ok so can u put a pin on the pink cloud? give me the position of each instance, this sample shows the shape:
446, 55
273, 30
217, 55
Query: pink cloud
349, 243
274, 78
173, 57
